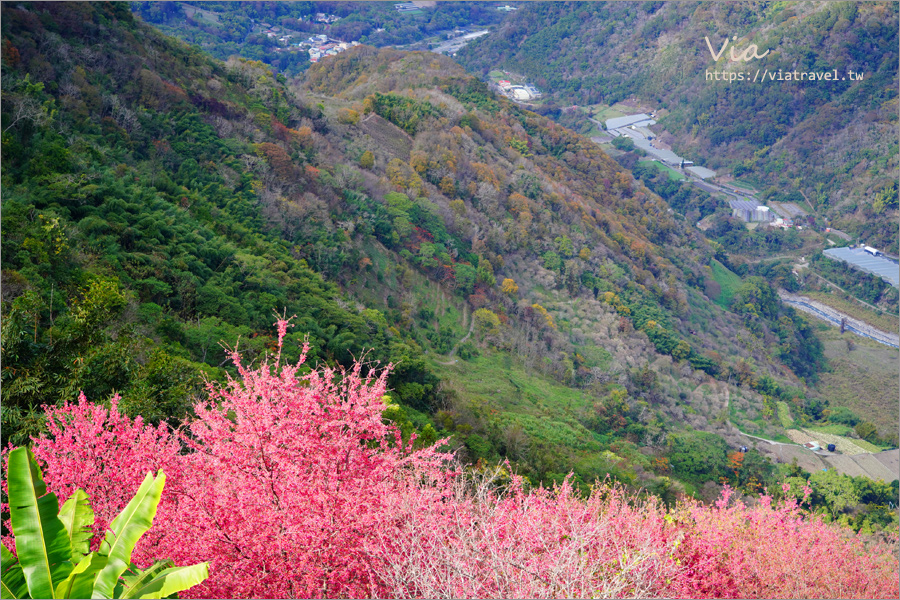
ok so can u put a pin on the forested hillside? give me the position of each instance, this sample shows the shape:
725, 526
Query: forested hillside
133, 237
829, 145
157, 202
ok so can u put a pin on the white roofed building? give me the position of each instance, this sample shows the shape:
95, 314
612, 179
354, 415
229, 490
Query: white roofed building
640, 119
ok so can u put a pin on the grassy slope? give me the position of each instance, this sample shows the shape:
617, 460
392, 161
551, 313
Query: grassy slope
863, 379
672, 173
728, 281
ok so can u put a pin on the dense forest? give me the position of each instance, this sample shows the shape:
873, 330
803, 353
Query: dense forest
830, 144
159, 204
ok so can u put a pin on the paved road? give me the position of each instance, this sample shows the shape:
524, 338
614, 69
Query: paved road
456, 43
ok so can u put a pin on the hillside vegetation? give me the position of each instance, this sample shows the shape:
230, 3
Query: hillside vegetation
828, 145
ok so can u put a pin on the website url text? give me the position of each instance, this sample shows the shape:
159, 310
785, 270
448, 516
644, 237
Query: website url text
762, 75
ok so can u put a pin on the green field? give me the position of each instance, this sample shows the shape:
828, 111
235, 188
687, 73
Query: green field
833, 429
743, 186
868, 446
784, 415
505, 394
595, 130
535, 419
672, 173
727, 280
506, 385
602, 112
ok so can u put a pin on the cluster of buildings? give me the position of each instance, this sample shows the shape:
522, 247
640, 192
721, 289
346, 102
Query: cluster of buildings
321, 46
284, 39
406, 7
783, 222
519, 93
750, 211
276, 32
325, 18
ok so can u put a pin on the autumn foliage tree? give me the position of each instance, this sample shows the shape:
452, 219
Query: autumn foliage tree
509, 287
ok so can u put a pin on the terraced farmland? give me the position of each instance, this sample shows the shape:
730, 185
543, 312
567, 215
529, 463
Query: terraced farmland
844, 445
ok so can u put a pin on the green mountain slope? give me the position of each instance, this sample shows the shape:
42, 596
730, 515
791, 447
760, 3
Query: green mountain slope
129, 220
156, 201
832, 145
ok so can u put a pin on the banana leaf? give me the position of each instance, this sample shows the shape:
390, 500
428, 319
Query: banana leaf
80, 582
140, 578
12, 579
77, 517
124, 533
164, 583
42, 544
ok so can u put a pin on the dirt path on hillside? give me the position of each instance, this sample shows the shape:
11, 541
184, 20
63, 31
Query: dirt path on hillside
462, 341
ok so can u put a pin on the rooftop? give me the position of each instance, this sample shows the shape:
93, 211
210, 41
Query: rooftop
743, 204
618, 122
876, 265
701, 172
667, 156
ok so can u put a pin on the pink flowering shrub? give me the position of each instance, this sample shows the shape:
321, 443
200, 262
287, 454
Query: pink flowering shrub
487, 543
293, 485
772, 551
103, 452
551, 544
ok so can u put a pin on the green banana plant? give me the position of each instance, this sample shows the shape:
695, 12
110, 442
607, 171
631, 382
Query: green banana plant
53, 549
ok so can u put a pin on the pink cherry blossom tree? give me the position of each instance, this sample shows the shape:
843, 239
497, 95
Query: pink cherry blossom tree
278, 481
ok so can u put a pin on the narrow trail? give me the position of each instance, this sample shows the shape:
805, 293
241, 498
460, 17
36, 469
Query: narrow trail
462, 341
769, 258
